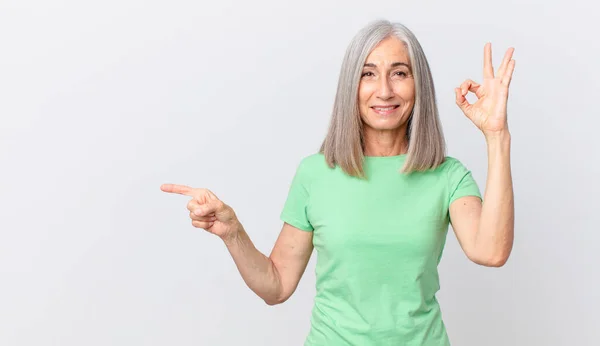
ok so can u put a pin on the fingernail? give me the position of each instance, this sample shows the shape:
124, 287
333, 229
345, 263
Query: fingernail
197, 211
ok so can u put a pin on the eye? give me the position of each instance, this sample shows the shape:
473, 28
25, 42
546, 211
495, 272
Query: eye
401, 73
367, 74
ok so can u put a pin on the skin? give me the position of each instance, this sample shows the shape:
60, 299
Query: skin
386, 80
485, 231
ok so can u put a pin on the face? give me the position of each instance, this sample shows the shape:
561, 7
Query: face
386, 93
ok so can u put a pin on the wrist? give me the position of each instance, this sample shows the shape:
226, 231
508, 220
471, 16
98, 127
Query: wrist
498, 145
497, 136
233, 236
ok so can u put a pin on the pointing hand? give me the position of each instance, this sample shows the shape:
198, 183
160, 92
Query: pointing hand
207, 211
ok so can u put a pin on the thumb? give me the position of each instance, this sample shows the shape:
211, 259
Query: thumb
212, 206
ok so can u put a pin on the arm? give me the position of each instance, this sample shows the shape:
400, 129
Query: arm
276, 277
485, 232
272, 278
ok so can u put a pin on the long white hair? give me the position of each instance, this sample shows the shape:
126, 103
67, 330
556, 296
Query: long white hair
344, 145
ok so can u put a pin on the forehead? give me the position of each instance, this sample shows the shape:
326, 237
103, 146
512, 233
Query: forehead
388, 51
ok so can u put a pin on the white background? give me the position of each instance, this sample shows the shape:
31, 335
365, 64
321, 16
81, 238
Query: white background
102, 102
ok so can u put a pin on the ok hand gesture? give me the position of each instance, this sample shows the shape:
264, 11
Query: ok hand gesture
489, 112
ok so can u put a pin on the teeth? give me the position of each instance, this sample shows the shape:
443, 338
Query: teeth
384, 108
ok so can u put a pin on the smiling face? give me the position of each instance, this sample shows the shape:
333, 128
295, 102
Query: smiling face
386, 93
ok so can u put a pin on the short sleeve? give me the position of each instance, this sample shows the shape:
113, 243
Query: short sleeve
460, 181
295, 208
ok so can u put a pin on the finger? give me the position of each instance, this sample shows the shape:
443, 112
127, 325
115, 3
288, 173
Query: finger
195, 209
193, 204
209, 208
201, 224
208, 218
461, 100
509, 73
174, 188
507, 58
210, 194
470, 85
488, 68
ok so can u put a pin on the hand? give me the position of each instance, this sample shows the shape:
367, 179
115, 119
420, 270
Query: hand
489, 112
207, 211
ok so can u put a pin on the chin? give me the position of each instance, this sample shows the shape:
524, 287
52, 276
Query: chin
376, 122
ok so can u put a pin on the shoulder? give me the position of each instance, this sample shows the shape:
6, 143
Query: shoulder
313, 163
311, 168
453, 170
459, 179
450, 161
451, 164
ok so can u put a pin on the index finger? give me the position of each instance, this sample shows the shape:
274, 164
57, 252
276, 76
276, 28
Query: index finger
174, 188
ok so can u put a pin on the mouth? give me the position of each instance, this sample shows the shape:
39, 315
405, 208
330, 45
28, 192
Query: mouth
385, 110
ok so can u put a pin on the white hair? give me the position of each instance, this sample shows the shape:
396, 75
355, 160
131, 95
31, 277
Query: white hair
343, 144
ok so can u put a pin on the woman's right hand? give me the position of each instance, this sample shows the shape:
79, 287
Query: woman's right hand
207, 211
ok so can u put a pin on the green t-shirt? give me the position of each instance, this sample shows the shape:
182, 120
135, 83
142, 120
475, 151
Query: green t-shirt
379, 242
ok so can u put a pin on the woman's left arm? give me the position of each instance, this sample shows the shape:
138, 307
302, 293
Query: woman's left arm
485, 230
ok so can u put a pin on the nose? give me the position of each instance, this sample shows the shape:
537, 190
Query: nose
385, 91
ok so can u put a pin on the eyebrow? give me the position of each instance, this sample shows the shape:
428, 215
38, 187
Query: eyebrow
396, 64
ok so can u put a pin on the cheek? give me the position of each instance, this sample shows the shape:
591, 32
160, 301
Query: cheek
406, 90
363, 96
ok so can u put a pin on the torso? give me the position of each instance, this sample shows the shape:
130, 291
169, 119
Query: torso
378, 244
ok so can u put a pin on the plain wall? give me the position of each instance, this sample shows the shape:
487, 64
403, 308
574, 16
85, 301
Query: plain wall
103, 102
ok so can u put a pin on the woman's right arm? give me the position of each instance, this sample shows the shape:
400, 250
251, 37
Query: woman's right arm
273, 278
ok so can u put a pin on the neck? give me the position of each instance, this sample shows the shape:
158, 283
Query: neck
386, 142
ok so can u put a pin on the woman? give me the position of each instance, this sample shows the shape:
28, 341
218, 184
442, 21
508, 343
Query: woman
377, 199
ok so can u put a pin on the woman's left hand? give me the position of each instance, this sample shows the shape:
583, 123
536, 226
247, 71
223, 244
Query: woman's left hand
489, 112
